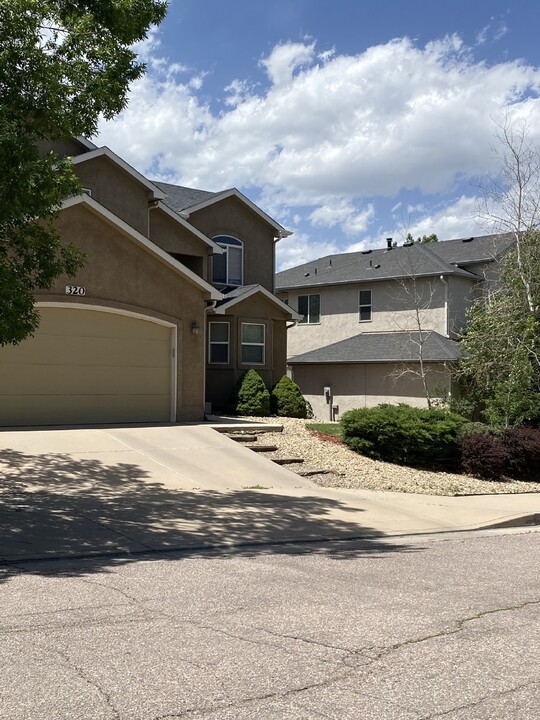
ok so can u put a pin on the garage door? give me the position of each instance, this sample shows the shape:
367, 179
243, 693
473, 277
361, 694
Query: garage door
87, 366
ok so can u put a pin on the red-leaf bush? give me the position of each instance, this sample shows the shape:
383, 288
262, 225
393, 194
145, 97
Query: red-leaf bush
483, 456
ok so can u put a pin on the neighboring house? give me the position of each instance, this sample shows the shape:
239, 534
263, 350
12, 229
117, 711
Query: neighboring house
174, 303
381, 325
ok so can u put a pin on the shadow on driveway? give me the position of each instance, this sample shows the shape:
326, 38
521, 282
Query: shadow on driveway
54, 506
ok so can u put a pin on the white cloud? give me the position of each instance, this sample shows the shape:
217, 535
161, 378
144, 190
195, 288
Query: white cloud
458, 219
329, 132
300, 249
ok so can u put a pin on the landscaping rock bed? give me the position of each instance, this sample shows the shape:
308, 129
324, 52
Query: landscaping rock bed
353, 471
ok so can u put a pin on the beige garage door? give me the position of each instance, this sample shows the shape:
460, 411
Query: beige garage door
87, 366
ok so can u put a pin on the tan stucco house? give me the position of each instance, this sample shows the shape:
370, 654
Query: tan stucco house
174, 303
376, 324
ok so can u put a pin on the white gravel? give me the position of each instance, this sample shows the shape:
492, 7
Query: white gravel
351, 470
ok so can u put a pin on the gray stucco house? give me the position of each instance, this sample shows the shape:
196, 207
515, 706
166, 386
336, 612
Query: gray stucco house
382, 325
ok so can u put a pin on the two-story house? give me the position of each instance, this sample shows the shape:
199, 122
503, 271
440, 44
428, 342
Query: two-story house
175, 301
380, 325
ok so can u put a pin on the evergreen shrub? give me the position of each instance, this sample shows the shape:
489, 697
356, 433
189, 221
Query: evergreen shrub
286, 399
404, 435
250, 396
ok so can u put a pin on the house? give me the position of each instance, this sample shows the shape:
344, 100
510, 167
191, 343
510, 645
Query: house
175, 301
381, 325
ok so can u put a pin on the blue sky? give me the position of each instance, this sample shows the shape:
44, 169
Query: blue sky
347, 121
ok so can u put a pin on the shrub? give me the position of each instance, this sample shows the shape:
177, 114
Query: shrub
522, 446
403, 434
250, 396
286, 399
512, 453
483, 456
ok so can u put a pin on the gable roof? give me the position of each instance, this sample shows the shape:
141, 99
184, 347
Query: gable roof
416, 260
239, 294
154, 191
179, 198
93, 206
468, 251
186, 200
382, 348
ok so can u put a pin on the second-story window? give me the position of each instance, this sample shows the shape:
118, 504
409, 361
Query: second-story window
309, 307
364, 305
228, 269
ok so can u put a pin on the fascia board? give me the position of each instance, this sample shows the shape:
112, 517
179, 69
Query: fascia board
144, 242
157, 194
362, 281
221, 310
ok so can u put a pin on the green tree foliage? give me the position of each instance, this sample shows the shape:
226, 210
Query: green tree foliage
423, 239
287, 400
250, 396
403, 434
62, 65
500, 364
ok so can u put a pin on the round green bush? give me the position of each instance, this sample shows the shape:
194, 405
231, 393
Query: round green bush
250, 396
287, 400
404, 435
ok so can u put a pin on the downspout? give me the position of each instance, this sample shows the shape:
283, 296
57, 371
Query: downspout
446, 328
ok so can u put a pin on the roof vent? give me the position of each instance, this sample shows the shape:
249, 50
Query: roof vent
366, 252
306, 274
467, 239
388, 243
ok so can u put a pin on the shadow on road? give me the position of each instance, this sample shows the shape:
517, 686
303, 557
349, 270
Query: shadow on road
53, 505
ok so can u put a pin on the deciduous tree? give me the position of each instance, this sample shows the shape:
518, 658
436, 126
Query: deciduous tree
63, 64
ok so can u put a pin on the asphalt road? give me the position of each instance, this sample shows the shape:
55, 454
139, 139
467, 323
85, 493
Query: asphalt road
434, 627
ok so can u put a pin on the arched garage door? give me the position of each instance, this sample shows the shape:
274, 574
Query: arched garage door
88, 366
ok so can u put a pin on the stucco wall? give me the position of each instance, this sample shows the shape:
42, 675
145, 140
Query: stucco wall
233, 217
393, 310
174, 238
120, 274
461, 293
116, 190
220, 377
364, 385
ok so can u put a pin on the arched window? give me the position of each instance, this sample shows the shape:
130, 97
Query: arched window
228, 269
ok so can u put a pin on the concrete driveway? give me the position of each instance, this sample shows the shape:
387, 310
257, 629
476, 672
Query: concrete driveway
77, 492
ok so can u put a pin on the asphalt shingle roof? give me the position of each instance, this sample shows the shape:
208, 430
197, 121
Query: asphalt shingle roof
181, 198
418, 259
383, 347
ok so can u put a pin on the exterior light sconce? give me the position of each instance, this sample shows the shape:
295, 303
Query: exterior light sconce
195, 327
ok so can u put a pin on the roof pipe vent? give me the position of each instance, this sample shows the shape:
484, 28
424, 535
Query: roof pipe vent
315, 271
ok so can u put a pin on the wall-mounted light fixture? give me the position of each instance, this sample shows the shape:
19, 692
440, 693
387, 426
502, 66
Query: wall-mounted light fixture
195, 327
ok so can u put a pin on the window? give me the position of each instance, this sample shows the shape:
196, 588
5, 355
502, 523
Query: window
218, 343
228, 269
364, 306
252, 344
309, 307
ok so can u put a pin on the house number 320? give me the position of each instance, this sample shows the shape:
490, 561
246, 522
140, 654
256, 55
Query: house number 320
75, 290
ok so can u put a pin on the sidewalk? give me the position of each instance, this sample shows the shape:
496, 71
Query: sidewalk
106, 491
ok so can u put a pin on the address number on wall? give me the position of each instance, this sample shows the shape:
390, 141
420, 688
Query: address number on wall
75, 290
